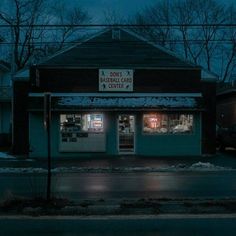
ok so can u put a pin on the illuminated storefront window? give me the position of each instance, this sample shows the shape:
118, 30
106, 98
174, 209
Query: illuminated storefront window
155, 123
180, 123
92, 122
82, 133
81, 122
167, 123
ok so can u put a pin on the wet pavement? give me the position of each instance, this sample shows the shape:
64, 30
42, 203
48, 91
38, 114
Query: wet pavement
75, 186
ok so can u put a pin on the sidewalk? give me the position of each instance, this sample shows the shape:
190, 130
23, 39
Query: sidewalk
226, 159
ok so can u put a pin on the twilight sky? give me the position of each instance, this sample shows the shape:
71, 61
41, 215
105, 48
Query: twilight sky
122, 7
96, 8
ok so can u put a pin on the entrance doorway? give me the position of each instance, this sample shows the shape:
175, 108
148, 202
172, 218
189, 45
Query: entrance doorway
126, 133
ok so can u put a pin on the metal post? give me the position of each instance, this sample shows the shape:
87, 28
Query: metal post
47, 125
13, 70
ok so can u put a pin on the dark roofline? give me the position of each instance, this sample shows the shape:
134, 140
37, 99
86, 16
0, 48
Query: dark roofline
226, 88
174, 54
226, 91
1, 39
71, 47
189, 65
118, 67
5, 65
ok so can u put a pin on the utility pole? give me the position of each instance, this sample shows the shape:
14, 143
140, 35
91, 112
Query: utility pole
13, 71
47, 125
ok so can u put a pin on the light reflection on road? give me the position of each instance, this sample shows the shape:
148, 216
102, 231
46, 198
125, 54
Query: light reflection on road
119, 185
98, 184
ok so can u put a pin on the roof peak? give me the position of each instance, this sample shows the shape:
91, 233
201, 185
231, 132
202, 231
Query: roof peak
104, 45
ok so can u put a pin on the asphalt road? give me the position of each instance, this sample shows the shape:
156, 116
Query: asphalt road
77, 186
165, 226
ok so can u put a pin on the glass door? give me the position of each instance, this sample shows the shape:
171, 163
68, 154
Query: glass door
126, 133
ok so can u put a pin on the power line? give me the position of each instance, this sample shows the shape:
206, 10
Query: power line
128, 42
117, 25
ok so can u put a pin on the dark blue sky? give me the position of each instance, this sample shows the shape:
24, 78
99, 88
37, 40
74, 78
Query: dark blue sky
122, 7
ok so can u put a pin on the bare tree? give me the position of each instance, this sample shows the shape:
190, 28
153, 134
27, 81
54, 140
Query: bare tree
203, 44
26, 12
210, 15
113, 17
199, 43
28, 40
184, 16
228, 50
68, 16
160, 13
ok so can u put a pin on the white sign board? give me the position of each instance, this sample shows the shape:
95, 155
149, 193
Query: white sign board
115, 80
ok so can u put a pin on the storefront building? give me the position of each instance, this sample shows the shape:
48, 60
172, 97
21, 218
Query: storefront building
117, 94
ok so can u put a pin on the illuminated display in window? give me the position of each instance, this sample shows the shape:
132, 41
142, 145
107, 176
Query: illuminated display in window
156, 123
167, 123
73, 126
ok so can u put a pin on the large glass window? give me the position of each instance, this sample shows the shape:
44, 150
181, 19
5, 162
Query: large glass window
155, 123
82, 133
81, 122
92, 122
167, 123
180, 123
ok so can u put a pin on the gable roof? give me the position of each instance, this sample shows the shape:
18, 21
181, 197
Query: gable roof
130, 51
1, 39
4, 66
226, 89
22, 75
209, 76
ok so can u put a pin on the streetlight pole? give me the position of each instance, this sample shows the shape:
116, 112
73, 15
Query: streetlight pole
13, 70
47, 125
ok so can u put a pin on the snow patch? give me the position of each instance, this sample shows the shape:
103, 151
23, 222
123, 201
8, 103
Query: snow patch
205, 166
4, 155
199, 166
30, 170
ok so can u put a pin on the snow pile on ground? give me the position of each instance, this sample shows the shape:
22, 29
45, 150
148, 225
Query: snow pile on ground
29, 170
206, 166
5, 156
199, 166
